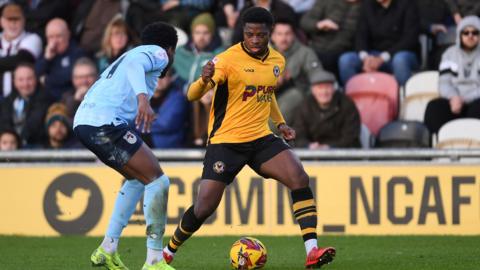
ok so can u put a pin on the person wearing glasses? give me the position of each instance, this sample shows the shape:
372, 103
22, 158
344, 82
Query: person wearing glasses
459, 83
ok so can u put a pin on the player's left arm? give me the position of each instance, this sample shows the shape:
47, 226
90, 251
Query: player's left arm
288, 133
137, 66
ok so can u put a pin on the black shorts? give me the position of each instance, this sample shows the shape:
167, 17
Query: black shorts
224, 161
113, 145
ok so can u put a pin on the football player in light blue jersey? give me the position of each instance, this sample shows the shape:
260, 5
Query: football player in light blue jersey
106, 122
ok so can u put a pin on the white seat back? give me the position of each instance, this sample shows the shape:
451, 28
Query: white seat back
419, 90
460, 133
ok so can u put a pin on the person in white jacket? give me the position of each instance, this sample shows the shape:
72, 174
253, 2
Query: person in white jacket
459, 83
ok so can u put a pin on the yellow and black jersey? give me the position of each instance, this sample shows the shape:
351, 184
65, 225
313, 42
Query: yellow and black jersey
244, 96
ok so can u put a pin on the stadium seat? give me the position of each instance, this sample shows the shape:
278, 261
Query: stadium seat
419, 90
459, 133
376, 97
403, 134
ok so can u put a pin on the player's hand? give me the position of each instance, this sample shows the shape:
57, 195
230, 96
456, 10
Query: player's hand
288, 133
208, 71
145, 114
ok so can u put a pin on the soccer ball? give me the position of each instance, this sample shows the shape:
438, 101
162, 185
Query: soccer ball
248, 253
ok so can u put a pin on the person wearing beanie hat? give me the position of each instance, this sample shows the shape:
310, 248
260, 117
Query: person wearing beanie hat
327, 118
204, 44
204, 19
58, 126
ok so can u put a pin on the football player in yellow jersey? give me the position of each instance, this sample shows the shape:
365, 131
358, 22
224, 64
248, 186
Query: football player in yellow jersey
244, 80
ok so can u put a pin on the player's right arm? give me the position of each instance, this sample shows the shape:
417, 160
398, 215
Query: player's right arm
212, 75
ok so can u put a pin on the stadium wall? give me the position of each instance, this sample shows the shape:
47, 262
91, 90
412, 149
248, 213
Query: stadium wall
352, 198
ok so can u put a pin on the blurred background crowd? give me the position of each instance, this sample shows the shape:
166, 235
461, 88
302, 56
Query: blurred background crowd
359, 73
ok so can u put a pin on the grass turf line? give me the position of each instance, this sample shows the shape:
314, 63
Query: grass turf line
211, 253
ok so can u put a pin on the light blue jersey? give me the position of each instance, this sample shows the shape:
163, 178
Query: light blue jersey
113, 97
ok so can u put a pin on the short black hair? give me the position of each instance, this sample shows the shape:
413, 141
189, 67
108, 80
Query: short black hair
161, 34
257, 15
287, 21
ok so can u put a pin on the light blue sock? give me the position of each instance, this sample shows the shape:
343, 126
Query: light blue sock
127, 199
155, 211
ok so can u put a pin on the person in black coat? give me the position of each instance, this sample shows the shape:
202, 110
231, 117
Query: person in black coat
25, 108
327, 118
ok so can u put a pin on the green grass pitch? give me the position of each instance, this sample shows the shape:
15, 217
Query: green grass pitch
211, 253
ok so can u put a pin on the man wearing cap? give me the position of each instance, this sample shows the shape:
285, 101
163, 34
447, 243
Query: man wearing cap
301, 64
327, 118
16, 45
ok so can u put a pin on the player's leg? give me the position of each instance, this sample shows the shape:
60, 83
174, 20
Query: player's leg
209, 196
221, 165
120, 148
144, 166
276, 161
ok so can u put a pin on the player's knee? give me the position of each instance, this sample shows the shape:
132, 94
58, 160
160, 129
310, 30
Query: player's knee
300, 179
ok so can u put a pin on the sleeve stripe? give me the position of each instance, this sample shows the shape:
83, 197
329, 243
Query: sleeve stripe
448, 71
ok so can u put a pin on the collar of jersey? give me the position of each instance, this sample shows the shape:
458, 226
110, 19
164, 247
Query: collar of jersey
253, 56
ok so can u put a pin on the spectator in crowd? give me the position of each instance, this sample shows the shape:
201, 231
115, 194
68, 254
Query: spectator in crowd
190, 58
90, 20
301, 63
386, 40
176, 12
24, 109
226, 13
300, 6
16, 45
56, 64
278, 8
327, 118
58, 128
9, 140
84, 74
39, 12
436, 22
461, 8
459, 82
172, 108
117, 39
331, 25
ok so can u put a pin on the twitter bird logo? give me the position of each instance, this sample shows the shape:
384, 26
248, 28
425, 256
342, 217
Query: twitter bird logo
72, 207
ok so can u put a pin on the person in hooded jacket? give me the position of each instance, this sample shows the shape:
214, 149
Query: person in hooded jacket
459, 82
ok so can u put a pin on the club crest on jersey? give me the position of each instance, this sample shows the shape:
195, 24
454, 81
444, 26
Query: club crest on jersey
219, 167
130, 137
276, 71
